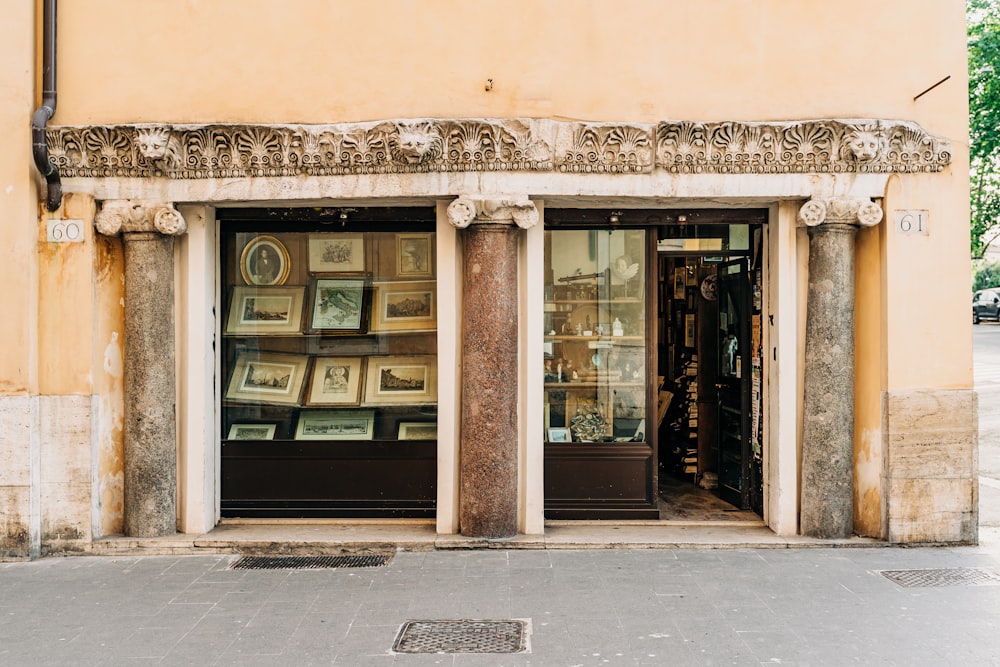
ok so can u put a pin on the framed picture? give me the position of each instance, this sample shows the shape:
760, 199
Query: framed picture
336, 253
689, 331
400, 380
267, 377
261, 311
417, 431
559, 435
265, 261
405, 306
338, 304
252, 431
415, 255
335, 381
680, 279
335, 425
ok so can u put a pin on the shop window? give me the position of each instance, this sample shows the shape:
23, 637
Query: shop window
329, 369
595, 336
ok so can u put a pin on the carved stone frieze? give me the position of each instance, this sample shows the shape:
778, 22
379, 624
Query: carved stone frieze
622, 149
821, 146
460, 145
131, 216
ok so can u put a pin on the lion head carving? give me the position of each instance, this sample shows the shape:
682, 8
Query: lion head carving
415, 144
864, 142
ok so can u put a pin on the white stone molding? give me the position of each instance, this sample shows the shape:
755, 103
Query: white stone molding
132, 216
494, 145
467, 209
840, 210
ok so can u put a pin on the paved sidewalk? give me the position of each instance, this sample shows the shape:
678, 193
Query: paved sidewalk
807, 606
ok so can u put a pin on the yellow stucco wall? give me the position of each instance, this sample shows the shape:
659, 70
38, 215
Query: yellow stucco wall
18, 201
635, 60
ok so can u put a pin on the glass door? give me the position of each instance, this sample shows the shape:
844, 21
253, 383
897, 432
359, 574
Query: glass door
733, 383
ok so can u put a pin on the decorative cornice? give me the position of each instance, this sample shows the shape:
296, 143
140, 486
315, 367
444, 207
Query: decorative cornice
122, 215
840, 210
493, 210
400, 147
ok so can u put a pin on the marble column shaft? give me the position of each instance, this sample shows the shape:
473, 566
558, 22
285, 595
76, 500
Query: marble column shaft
488, 488
150, 432
827, 502
488, 452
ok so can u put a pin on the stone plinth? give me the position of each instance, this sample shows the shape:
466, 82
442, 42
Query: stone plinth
488, 438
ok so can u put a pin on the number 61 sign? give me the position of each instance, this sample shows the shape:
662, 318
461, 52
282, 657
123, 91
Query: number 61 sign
913, 221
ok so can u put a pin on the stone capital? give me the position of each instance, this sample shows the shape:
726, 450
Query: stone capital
125, 215
511, 209
840, 210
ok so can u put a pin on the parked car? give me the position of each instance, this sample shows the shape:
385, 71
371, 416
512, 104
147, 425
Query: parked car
986, 305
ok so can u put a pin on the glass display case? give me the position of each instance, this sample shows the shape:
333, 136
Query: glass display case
329, 368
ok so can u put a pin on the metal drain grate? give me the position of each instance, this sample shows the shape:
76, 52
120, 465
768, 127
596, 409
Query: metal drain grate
463, 636
309, 562
954, 576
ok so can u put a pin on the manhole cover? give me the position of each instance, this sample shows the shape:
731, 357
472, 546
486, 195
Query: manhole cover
954, 576
463, 636
309, 562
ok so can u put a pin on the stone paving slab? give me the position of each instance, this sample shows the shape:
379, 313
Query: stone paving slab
686, 606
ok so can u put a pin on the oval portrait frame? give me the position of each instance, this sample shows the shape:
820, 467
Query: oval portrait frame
250, 254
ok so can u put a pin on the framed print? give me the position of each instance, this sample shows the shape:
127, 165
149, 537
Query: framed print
265, 261
559, 435
400, 380
267, 377
260, 311
335, 425
689, 331
680, 279
336, 253
414, 255
405, 306
417, 431
252, 431
338, 304
335, 381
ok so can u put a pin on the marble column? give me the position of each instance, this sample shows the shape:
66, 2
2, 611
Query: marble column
489, 430
150, 432
827, 502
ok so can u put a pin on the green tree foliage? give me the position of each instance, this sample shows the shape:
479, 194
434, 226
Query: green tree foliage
983, 19
987, 275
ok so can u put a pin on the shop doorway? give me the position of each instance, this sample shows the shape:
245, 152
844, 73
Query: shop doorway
710, 373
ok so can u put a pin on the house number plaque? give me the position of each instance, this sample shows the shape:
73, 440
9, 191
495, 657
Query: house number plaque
912, 222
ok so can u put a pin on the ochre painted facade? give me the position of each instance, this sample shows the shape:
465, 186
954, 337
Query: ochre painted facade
232, 63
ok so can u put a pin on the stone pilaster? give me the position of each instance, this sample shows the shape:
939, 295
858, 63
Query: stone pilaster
150, 431
828, 406
488, 437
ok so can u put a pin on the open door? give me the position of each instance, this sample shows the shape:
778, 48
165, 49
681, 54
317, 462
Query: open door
733, 383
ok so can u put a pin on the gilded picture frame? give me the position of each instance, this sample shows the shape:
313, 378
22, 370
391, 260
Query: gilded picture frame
414, 256
400, 380
335, 381
265, 261
264, 311
405, 306
267, 377
336, 253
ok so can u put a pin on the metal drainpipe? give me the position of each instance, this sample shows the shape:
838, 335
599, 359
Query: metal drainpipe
39, 142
